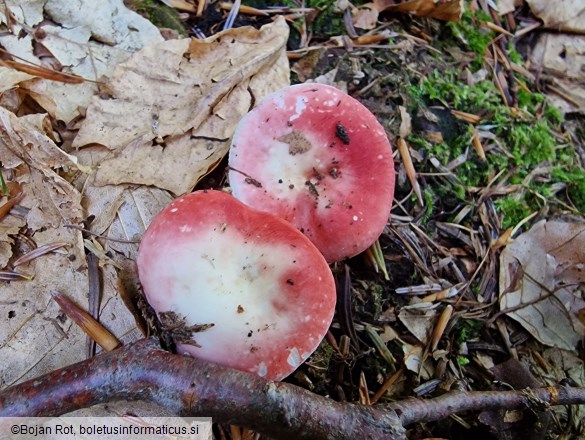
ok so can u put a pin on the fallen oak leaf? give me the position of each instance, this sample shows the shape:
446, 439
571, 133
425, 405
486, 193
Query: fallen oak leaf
170, 138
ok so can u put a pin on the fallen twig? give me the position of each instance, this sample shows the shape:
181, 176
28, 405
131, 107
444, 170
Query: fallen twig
192, 387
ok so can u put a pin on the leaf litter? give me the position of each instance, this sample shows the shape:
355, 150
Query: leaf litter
541, 278
100, 189
59, 187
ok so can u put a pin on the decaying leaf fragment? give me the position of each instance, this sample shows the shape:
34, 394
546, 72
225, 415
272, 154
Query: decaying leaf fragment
35, 336
562, 58
560, 15
171, 109
542, 277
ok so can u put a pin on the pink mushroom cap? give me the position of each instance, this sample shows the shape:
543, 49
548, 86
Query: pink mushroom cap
319, 159
264, 286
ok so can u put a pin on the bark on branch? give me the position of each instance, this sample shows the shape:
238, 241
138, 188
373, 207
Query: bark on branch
191, 387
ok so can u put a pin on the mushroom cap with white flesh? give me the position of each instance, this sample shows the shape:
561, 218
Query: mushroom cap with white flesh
319, 159
264, 286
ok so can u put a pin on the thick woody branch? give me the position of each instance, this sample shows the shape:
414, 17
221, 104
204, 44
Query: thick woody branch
191, 387
187, 386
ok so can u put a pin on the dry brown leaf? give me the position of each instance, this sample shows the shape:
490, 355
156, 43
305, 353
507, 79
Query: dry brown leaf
172, 108
447, 10
540, 279
560, 15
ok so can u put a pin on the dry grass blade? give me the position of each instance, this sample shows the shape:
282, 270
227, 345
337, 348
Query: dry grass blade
467, 117
447, 10
450, 292
247, 10
5, 209
94, 329
375, 256
14, 276
381, 347
409, 168
29, 256
371, 39
476, 142
43, 72
344, 306
391, 380
182, 5
363, 390
441, 326
494, 27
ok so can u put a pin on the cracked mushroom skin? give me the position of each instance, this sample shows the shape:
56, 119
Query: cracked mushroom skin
319, 159
261, 294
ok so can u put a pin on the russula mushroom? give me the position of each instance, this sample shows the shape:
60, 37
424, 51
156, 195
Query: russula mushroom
265, 290
319, 159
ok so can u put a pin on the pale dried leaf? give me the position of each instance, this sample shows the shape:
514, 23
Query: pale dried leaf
448, 10
10, 78
365, 17
419, 322
36, 338
91, 39
562, 58
9, 226
27, 11
507, 6
137, 209
405, 122
560, 15
561, 55
413, 360
542, 272
108, 20
565, 364
49, 197
173, 107
24, 138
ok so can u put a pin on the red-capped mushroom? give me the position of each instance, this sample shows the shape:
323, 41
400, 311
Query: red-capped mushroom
265, 288
319, 159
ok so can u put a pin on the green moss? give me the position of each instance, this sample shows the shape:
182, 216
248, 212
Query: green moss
514, 55
471, 32
524, 139
161, 15
3, 186
553, 115
574, 178
513, 210
467, 329
462, 360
